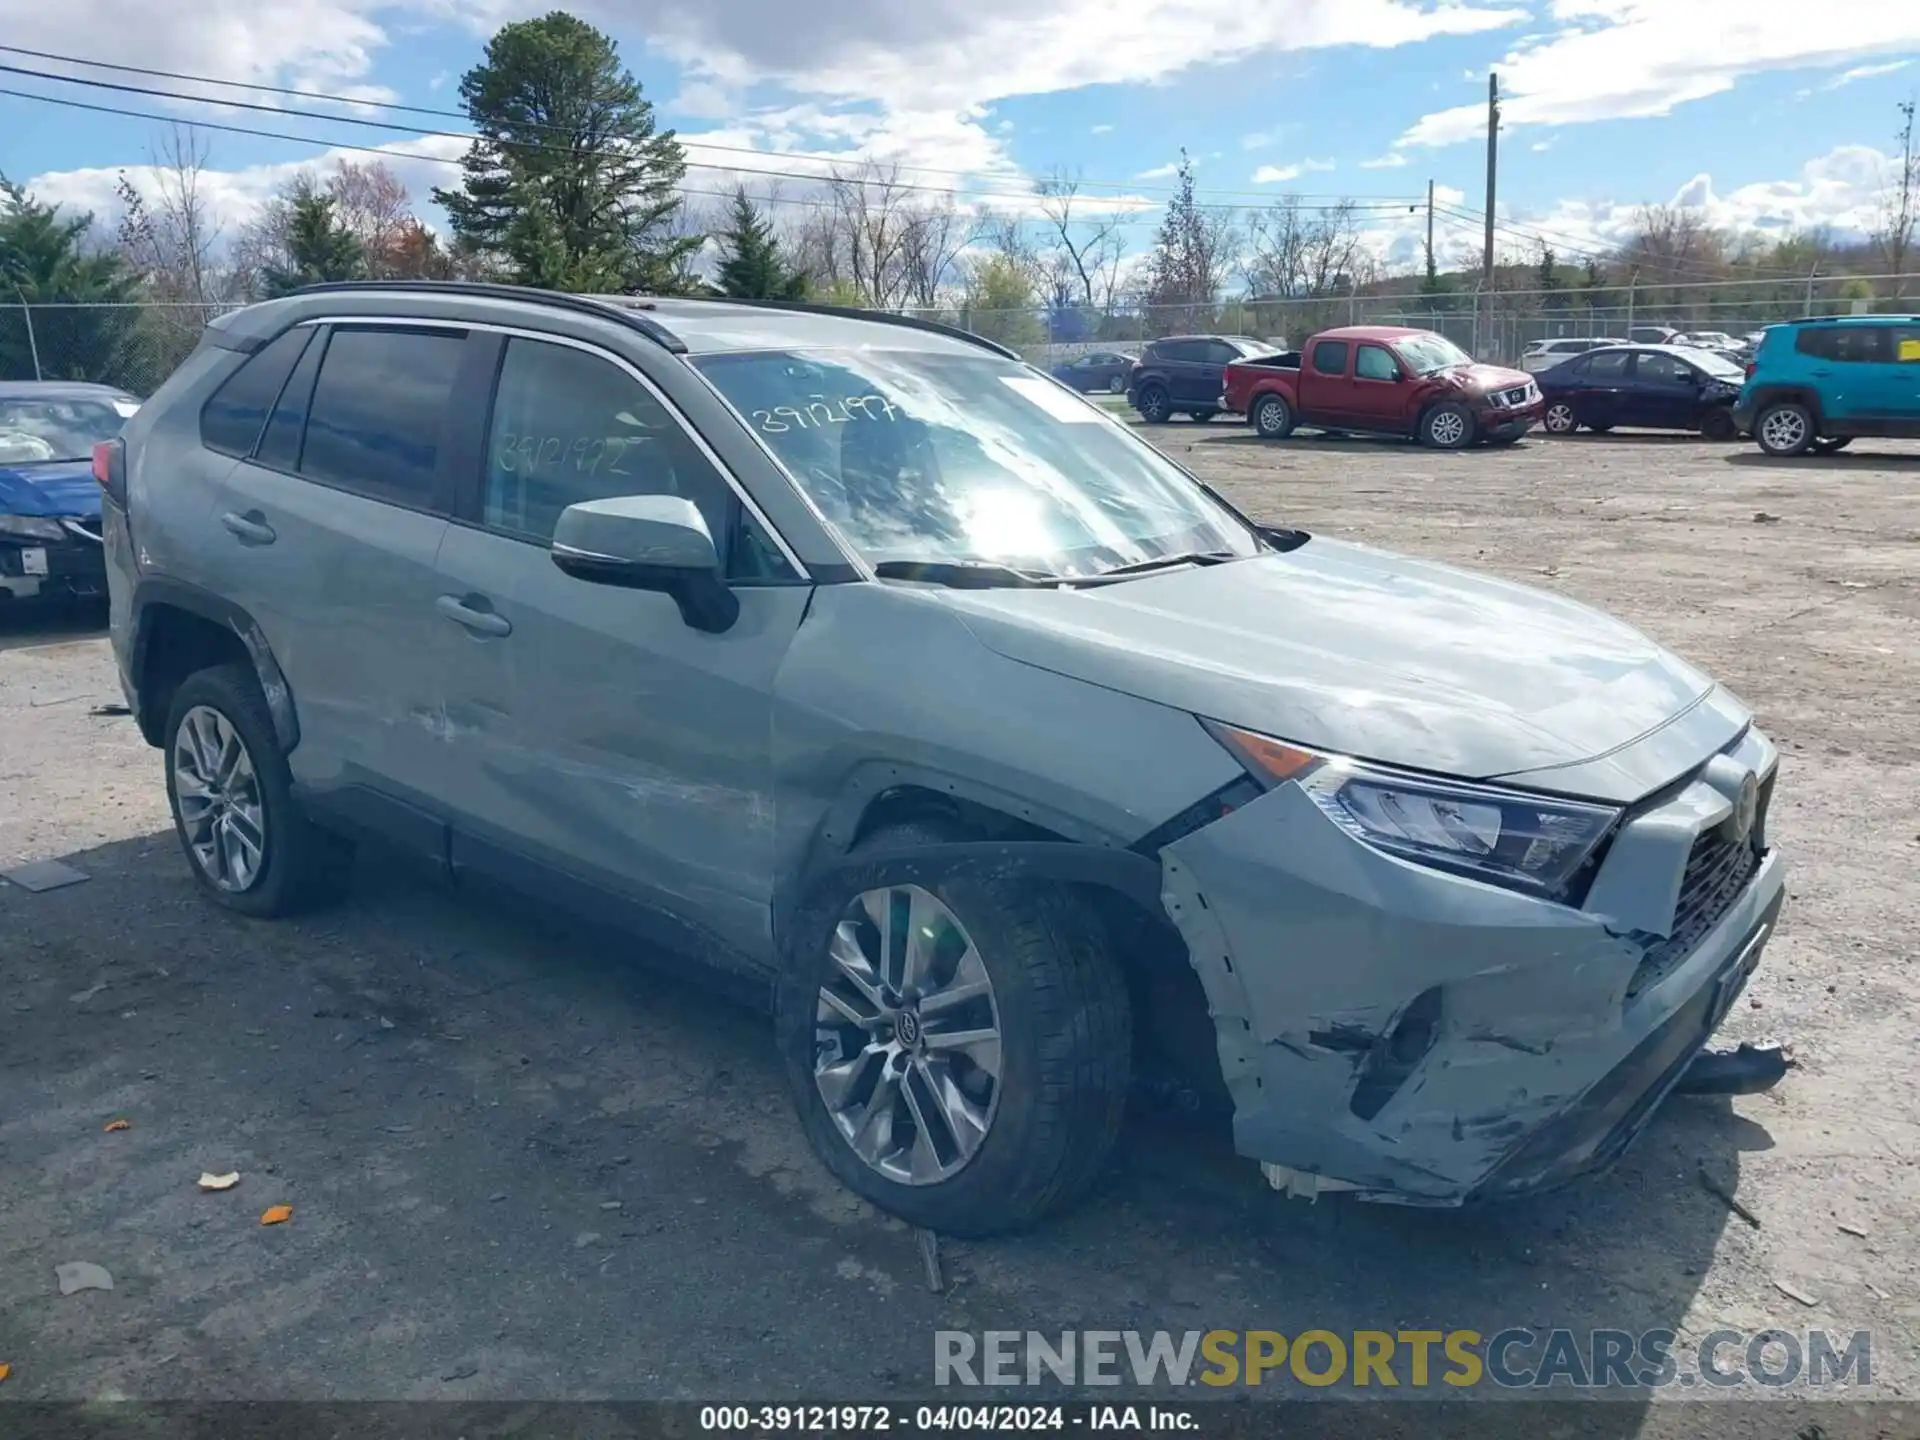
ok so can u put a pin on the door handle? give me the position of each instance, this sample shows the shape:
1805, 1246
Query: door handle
250, 528
460, 610
1821, 371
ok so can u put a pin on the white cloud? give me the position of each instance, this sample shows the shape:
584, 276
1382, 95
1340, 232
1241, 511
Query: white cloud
1160, 172
1261, 139
704, 100
1615, 59
1856, 74
1542, 146
1280, 174
1392, 160
1101, 130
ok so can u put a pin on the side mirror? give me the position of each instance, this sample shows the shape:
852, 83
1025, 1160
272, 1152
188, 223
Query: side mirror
648, 542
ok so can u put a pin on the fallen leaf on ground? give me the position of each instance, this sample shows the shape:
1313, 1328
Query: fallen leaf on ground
277, 1215
113, 1125
77, 1275
220, 1182
5, 1370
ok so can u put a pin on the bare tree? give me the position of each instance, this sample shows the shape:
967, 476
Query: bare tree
1083, 242
935, 235
171, 235
1190, 257
1900, 204
873, 216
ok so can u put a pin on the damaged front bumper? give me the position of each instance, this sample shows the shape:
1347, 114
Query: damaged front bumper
66, 565
1427, 1039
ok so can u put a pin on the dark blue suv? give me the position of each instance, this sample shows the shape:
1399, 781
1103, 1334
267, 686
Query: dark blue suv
1815, 384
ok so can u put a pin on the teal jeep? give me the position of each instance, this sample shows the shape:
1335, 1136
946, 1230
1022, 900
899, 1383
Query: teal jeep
1815, 384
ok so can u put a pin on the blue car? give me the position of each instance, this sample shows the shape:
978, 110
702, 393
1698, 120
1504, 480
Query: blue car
1815, 384
49, 501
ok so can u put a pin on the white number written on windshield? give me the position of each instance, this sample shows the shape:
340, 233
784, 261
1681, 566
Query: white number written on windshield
821, 412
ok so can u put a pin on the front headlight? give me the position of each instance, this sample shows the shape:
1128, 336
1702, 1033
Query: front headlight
1536, 843
32, 527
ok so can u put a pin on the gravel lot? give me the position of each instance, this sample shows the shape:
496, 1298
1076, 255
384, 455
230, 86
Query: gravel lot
524, 1165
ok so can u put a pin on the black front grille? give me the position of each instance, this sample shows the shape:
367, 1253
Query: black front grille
1515, 396
1718, 870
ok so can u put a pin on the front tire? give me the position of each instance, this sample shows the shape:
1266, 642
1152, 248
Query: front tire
1447, 427
1117, 385
959, 1051
1718, 425
1785, 429
1272, 417
228, 785
1154, 404
1560, 419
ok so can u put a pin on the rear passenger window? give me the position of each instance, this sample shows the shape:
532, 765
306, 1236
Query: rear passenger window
231, 420
1847, 344
1607, 364
378, 410
280, 446
569, 427
1330, 357
1374, 363
1906, 345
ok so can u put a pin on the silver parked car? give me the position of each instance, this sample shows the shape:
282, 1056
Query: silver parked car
1543, 355
858, 658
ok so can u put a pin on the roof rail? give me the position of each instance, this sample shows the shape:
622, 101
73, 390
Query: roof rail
618, 308
1813, 319
885, 317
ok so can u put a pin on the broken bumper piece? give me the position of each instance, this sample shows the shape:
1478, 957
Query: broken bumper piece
1422, 1038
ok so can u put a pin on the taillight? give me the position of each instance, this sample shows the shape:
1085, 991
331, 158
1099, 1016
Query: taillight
1752, 365
110, 470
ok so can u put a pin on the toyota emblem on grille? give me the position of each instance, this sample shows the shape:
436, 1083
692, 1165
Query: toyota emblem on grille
1746, 809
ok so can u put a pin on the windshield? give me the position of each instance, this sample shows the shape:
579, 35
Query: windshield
1717, 365
924, 456
35, 431
1427, 353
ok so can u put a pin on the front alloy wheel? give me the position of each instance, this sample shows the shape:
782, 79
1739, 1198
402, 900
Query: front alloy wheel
222, 815
907, 1037
1559, 418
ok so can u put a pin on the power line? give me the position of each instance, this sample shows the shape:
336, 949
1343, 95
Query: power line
390, 154
1127, 187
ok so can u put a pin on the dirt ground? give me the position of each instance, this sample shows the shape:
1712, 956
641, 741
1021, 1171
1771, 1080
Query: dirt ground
526, 1162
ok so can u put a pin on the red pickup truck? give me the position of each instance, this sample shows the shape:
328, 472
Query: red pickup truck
1385, 379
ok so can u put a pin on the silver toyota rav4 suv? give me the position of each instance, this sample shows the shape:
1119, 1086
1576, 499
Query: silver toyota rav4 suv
850, 655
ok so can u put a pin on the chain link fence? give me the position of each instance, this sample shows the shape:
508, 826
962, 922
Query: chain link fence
137, 346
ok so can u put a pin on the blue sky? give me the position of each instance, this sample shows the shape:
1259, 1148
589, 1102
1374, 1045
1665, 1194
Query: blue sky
1754, 115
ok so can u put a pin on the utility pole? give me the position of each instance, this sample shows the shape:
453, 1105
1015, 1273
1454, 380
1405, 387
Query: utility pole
1493, 169
1430, 262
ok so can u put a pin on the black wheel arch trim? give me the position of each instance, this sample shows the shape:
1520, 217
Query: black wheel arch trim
153, 591
814, 902
1784, 395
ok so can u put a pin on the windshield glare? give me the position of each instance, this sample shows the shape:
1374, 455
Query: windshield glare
1428, 353
39, 431
928, 456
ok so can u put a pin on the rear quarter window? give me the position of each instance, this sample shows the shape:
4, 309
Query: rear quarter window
232, 418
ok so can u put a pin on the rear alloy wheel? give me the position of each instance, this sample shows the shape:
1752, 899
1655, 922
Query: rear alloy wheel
1272, 417
228, 784
959, 1048
1717, 424
1785, 429
1448, 427
1154, 404
1559, 419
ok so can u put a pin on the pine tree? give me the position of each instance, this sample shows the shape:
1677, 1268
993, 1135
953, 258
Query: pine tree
570, 185
320, 247
752, 267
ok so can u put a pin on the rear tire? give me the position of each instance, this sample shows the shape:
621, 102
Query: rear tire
1117, 385
1785, 429
1272, 417
1449, 426
1064, 1050
230, 790
1718, 425
1154, 404
1830, 445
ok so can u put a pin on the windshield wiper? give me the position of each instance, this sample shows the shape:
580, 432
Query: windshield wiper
965, 574
1158, 562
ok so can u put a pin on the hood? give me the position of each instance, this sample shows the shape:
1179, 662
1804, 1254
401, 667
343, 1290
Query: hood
1345, 648
54, 487
1478, 379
